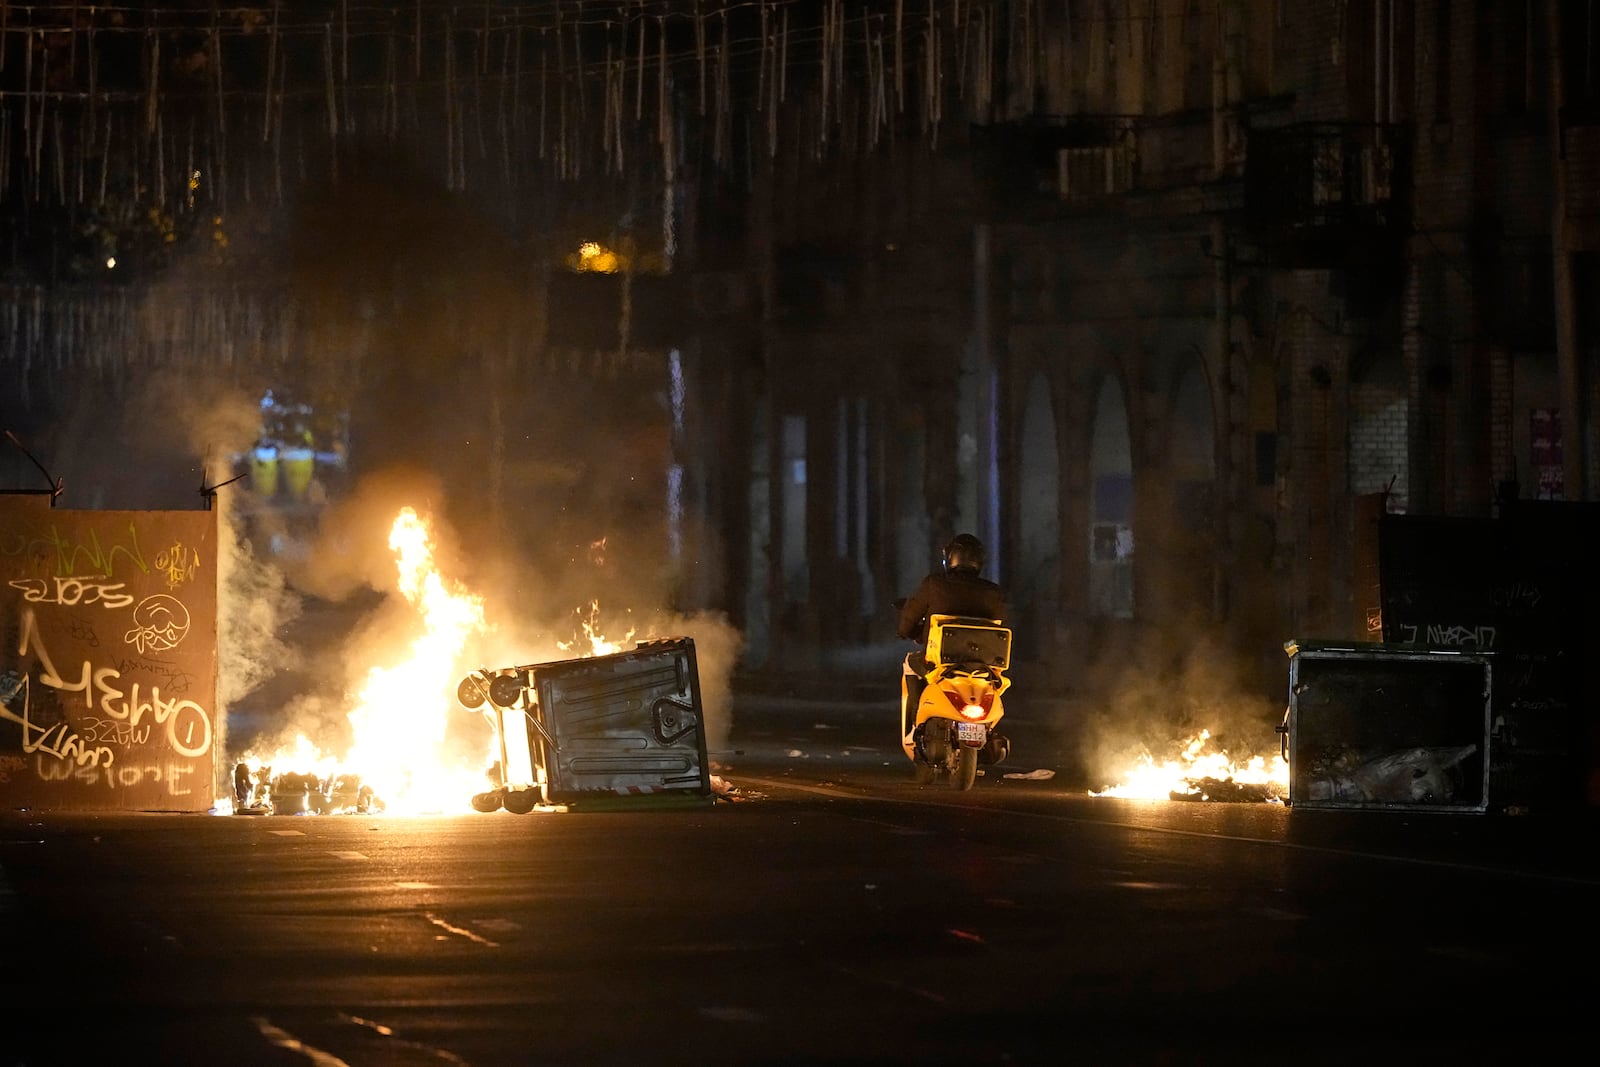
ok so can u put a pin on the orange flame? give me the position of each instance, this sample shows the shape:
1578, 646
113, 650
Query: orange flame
400, 720
597, 643
1149, 780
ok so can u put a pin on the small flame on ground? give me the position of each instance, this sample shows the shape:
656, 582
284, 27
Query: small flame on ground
592, 642
1149, 780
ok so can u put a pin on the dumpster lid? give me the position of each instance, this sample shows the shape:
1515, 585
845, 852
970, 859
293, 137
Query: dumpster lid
1295, 646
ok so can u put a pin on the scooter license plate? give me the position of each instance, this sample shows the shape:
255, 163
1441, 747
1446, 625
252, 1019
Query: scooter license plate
972, 733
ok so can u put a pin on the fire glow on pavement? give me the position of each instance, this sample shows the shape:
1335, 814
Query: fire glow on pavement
1201, 772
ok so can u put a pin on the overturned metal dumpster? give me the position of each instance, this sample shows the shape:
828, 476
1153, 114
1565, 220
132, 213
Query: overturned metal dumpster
625, 725
1382, 726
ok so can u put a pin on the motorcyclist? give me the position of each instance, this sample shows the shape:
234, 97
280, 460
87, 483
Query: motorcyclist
956, 589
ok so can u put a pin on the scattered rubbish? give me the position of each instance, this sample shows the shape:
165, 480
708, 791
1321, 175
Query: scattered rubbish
1041, 775
722, 789
1410, 776
1226, 790
261, 792
795, 753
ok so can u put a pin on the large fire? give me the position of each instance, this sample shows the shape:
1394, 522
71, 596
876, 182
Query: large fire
1201, 772
396, 760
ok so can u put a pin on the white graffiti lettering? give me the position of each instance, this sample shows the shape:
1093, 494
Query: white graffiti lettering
72, 592
188, 725
58, 740
1523, 593
60, 771
160, 622
114, 733
175, 775
1461, 636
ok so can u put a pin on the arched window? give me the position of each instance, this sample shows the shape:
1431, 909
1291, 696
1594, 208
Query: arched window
1039, 502
1111, 506
1191, 534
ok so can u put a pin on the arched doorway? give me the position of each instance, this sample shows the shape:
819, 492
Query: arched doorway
1110, 505
1193, 464
1035, 589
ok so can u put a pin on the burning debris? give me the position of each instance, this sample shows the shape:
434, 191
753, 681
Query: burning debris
644, 695
260, 791
1202, 772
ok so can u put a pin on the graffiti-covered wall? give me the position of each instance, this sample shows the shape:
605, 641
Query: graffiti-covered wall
108, 657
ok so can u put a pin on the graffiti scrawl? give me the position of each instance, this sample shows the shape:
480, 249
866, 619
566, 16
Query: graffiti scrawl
108, 658
159, 623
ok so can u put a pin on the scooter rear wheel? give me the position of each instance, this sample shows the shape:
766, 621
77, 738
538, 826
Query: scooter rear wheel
966, 769
923, 773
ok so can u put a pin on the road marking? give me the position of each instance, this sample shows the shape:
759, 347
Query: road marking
461, 932
284, 1039
415, 885
384, 1031
892, 983
1326, 850
350, 855
287, 833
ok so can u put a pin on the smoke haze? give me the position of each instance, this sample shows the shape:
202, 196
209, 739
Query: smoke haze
1159, 698
542, 473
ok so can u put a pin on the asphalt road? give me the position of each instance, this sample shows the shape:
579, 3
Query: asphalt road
832, 913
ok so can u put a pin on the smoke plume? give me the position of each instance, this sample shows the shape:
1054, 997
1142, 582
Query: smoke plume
1162, 695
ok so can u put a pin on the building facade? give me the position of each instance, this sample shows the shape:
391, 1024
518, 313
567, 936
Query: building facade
1190, 287
1157, 298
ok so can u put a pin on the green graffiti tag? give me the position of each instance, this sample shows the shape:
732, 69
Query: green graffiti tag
58, 554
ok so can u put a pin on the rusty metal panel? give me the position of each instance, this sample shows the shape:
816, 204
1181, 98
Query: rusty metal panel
1375, 726
625, 724
108, 658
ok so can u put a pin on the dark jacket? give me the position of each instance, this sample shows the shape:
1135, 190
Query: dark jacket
959, 592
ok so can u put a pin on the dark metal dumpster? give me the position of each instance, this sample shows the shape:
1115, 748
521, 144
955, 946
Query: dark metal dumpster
629, 724
1384, 726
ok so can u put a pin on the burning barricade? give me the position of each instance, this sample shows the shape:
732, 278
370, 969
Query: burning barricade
580, 731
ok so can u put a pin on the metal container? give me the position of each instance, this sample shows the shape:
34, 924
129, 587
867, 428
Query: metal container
629, 724
1387, 727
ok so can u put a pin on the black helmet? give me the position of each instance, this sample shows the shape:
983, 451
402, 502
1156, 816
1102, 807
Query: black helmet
964, 552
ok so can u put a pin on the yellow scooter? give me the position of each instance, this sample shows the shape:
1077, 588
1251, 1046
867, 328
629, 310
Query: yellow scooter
959, 707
